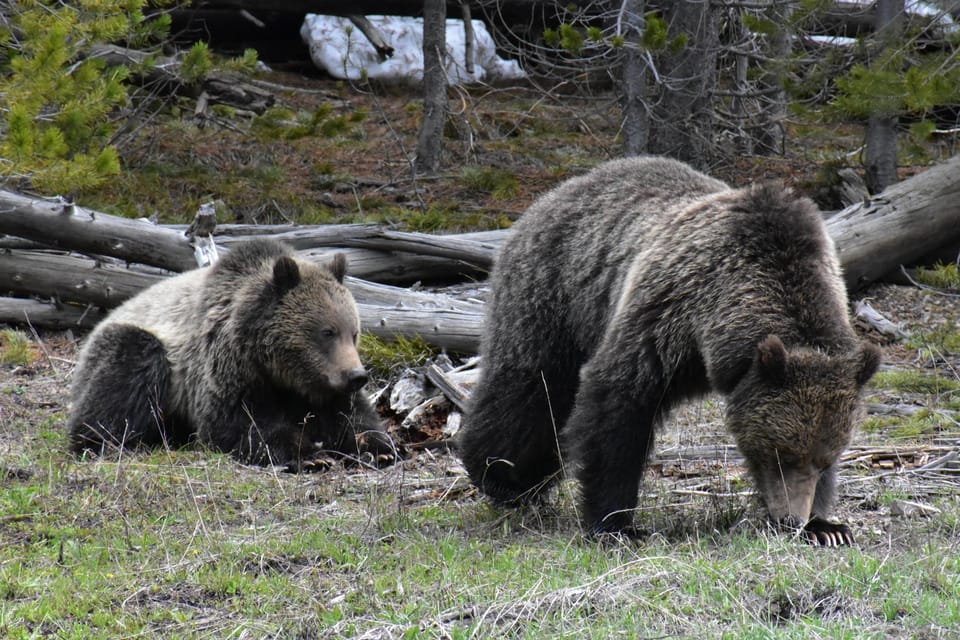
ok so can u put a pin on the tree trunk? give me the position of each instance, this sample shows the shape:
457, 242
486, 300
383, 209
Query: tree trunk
633, 80
430, 139
682, 121
772, 136
880, 143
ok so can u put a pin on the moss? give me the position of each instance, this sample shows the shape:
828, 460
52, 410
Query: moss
382, 357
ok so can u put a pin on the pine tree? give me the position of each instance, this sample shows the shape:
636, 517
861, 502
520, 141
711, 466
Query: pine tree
58, 108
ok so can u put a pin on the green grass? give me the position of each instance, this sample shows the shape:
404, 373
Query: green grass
911, 381
15, 348
189, 544
942, 276
383, 357
500, 183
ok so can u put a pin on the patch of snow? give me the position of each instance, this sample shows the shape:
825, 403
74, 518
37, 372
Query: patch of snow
340, 49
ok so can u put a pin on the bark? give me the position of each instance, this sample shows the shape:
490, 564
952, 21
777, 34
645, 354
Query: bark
78, 229
772, 137
430, 139
880, 153
47, 315
911, 219
70, 278
633, 81
682, 119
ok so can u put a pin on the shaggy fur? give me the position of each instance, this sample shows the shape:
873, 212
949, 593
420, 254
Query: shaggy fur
255, 356
643, 283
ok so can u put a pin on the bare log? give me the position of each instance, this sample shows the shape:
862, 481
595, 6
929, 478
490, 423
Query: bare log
48, 315
441, 320
459, 248
398, 268
908, 220
69, 278
451, 329
67, 226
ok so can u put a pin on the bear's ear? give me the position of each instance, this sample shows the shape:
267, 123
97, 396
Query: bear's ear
339, 267
868, 361
771, 360
286, 273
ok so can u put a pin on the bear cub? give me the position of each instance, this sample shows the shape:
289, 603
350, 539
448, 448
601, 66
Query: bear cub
643, 283
255, 355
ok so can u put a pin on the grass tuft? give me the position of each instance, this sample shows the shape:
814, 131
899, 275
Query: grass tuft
499, 183
16, 349
383, 357
909, 381
941, 276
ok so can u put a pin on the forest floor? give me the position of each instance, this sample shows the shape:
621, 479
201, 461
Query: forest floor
189, 543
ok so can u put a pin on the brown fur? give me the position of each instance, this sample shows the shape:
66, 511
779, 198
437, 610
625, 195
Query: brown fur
256, 356
643, 283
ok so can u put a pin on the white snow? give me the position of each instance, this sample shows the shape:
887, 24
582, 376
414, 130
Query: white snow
337, 47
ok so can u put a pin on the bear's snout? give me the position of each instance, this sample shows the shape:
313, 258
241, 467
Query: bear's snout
356, 378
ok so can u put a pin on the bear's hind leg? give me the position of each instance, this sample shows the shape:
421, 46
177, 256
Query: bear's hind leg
509, 442
120, 391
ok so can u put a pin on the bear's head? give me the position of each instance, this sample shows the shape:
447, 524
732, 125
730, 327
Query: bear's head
310, 339
792, 415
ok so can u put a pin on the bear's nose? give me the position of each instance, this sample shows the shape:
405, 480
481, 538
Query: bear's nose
356, 378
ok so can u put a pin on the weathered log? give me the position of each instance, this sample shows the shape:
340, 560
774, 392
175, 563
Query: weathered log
452, 329
69, 278
398, 268
48, 315
374, 251
372, 236
67, 226
909, 219
385, 311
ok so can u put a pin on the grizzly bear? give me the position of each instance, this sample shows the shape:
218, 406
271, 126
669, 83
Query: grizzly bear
255, 356
644, 283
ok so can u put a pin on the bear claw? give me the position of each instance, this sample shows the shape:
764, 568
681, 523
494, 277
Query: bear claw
823, 533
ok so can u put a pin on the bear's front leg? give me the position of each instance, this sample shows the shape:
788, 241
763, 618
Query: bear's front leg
819, 530
362, 432
610, 430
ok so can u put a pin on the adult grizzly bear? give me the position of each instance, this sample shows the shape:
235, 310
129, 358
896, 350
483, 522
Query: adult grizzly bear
643, 283
256, 356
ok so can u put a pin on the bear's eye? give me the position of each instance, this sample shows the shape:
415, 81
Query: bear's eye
356, 336
327, 333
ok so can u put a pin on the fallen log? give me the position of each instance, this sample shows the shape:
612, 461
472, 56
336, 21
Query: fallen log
373, 251
48, 315
385, 311
906, 221
70, 278
70, 227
